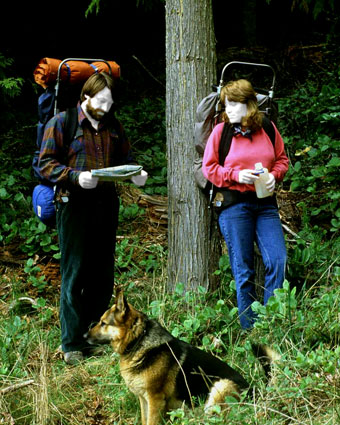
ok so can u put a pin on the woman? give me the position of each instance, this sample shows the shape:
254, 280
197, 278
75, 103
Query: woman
247, 219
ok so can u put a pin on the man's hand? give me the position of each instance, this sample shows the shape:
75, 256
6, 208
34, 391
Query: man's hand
140, 179
247, 177
87, 181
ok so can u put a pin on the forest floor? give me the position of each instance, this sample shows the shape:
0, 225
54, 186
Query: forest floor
153, 230
93, 393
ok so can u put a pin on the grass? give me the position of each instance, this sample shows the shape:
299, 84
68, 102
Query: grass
305, 388
303, 327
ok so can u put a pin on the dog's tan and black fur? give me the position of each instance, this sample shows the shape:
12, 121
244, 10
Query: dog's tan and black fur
162, 371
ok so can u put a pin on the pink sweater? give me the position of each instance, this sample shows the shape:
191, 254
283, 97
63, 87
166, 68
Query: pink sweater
244, 154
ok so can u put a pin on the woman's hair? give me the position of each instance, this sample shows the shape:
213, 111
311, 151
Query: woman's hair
95, 84
242, 91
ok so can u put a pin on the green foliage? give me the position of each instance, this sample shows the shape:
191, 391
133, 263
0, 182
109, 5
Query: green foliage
313, 256
37, 281
224, 269
310, 124
296, 325
9, 86
14, 334
144, 124
197, 320
133, 260
94, 6
129, 212
17, 221
315, 7
303, 328
304, 318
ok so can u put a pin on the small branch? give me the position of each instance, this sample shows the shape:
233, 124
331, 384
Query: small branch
326, 271
23, 300
185, 378
17, 386
290, 418
287, 229
10, 260
145, 69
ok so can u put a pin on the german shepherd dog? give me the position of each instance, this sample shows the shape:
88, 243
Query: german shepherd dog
163, 371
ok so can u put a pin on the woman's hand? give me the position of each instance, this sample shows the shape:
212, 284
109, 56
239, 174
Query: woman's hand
270, 184
247, 176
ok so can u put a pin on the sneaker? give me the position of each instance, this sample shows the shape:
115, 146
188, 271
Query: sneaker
73, 357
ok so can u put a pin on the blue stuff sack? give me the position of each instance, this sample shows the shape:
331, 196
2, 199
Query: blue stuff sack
43, 203
45, 112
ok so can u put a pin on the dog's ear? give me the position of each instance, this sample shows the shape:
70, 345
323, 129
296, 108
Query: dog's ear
122, 306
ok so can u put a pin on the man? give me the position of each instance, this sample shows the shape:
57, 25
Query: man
87, 209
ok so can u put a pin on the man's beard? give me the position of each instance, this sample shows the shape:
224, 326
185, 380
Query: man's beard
97, 114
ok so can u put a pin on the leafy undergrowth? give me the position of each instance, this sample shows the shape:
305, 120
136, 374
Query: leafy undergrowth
37, 388
301, 322
305, 386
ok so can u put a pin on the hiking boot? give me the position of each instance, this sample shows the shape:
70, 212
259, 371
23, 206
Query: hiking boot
73, 357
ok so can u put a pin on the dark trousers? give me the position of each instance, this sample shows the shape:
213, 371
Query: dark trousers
87, 235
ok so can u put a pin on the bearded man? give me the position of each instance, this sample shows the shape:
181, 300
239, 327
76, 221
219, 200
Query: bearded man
87, 209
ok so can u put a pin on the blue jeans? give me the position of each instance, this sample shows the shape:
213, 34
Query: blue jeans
243, 224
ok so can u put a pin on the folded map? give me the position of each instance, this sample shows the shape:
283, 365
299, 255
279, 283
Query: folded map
121, 172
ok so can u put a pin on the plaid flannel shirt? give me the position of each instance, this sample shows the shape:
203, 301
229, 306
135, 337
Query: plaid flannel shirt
90, 149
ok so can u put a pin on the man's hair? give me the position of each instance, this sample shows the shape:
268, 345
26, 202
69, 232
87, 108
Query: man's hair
242, 91
95, 84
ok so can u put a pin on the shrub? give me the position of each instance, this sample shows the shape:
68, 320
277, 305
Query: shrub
310, 119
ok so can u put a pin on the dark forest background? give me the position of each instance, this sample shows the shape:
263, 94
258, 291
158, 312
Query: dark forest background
280, 32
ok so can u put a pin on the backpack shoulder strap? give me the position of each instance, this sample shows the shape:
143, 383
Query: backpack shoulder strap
70, 126
225, 142
227, 136
268, 127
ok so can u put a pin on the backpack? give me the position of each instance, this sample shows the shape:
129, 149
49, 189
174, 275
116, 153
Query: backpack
48, 74
208, 115
43, 196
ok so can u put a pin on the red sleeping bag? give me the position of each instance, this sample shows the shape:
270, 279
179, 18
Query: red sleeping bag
73, 71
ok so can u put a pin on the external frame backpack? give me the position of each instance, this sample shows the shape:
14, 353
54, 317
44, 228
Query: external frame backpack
208, 115
49, 74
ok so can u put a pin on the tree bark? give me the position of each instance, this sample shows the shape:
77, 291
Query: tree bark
190, 72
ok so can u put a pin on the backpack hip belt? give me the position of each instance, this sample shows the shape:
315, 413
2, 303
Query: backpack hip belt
224, 198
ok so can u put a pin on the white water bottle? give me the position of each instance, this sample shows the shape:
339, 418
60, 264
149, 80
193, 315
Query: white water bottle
260, 184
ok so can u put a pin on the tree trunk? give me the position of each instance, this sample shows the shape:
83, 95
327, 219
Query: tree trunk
190, 72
